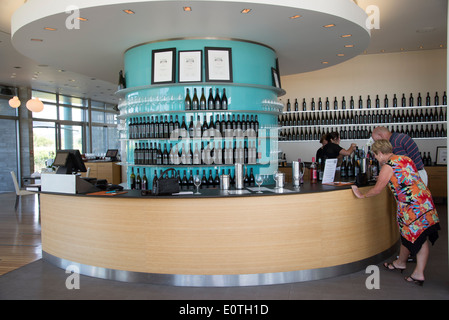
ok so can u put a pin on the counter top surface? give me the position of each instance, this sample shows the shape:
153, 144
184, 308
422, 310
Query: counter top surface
215, 192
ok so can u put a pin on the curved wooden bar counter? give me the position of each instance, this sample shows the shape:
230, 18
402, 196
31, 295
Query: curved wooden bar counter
217, 240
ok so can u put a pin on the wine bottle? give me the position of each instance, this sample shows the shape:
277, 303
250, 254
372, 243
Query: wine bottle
144, 181
121, 81
436, 100
313, 171
217, 101
203, 102
138, 180
195, 102
288, 106
132, 180
188, 101
224, 101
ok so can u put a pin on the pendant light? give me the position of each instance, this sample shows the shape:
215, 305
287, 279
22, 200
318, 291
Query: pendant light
35, 105
14, 102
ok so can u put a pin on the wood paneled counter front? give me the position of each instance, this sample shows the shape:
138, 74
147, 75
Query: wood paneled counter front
219, 240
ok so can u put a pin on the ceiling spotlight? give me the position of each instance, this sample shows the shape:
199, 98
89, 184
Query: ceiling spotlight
128, 11
246, 11
329, 25
346, 35
50, 29
82, 19
325, 62
349, 46
187, 9
295, 17
340, 54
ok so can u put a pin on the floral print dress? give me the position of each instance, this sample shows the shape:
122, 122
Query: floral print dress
415, 208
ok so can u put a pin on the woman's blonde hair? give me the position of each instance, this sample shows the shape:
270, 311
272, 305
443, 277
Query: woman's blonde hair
383, 146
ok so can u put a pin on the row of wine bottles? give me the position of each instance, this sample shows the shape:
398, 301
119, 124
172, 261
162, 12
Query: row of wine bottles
138, 182
162, 127
212, 103
182, 153
361, 132
362, 117
404, 102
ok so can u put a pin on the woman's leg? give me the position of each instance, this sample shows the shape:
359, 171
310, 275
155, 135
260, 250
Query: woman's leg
421, 261
401, 262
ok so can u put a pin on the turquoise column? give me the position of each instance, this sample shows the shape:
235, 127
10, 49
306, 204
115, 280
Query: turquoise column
251, 95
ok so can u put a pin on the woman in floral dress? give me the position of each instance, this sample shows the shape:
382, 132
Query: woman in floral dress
416, 214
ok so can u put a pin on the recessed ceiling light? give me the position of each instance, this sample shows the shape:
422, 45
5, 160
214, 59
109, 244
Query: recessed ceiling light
246, 11
295, 16
37, 40
349, 46
187, 9
128, 11
50, 29
340, 54
346, 35
82, 19
329, 25
325, 62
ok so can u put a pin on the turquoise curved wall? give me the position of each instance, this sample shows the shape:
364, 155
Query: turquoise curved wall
251, 92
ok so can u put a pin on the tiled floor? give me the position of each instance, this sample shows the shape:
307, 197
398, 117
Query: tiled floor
41, 280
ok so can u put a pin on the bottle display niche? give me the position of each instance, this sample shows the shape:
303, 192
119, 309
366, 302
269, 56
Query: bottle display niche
419, 120
216, 102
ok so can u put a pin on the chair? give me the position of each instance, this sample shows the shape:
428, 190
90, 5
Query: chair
19, 192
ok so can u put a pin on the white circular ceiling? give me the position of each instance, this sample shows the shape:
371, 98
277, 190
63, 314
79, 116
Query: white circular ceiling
306, 35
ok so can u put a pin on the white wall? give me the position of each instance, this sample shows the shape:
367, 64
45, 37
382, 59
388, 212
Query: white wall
388, 73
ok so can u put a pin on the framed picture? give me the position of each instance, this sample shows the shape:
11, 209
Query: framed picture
163, 67
441, 156
218, 64
276, 79
190, 66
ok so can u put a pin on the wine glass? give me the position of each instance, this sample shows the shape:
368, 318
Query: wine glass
259, 180
197, 182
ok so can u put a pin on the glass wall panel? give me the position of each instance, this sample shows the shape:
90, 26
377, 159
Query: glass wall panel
97, 116
50, 112
71, 114
44, 96
8, 147
99, 144
72, 137
5, 109
44, 143
72, 101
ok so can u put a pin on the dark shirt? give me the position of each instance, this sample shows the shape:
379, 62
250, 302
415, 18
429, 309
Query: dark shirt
403, 145
331, 151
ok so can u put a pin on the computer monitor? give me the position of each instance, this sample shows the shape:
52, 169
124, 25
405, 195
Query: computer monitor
69, 161
112, 153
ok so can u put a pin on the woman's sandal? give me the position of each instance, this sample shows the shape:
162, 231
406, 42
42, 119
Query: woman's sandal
415, 281
390, 266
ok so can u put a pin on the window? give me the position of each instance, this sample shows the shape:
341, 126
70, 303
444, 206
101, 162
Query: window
64, 124
8, 144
